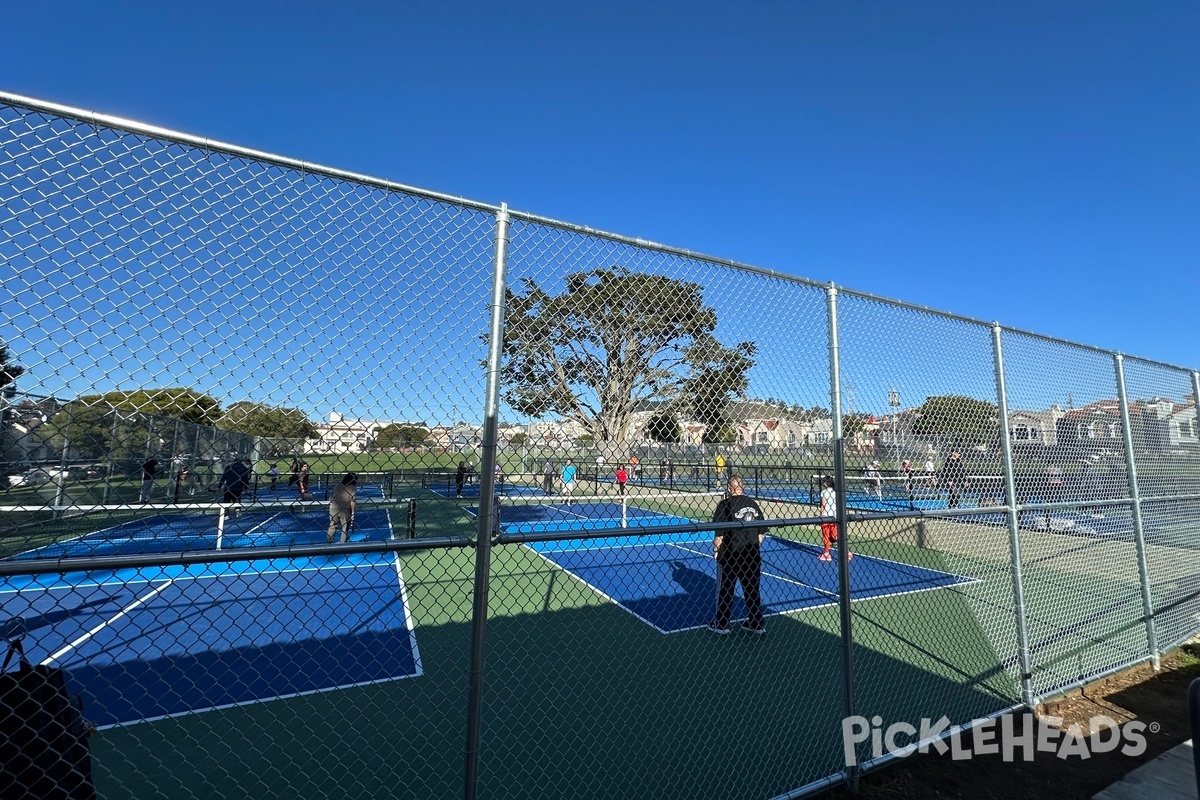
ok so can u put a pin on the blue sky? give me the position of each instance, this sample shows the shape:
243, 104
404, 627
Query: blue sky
1030, 162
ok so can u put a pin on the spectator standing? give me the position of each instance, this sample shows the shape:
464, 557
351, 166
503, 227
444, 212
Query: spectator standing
874, 480
1054, 483
149, 471
954, 475
739, 559
548, 478
460, 478
568, 480
828, 508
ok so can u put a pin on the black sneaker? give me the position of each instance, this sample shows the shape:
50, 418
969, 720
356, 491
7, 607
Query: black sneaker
713, 628
759, 631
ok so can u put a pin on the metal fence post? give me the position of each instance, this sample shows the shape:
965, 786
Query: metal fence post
1139, 537
1014, 523
487, 510
839, 470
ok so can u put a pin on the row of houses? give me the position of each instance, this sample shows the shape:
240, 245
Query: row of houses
1159, 424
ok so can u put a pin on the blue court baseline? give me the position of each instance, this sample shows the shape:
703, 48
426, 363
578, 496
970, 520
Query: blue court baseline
153, 643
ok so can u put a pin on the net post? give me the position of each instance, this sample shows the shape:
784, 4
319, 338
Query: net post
624, 511
1139, 533
411, 527
220, 526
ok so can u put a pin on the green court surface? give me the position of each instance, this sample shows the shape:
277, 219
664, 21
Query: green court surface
583, 699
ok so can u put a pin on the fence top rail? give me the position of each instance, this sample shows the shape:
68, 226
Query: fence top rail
132, 126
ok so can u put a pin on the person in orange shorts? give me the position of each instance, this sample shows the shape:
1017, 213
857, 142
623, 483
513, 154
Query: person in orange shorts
829, 530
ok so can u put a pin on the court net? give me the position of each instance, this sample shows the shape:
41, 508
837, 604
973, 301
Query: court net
80, 531
526, 514
918, 491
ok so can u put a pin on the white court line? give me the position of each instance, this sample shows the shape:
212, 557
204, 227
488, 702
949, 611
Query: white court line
597, 591
124, 611
205, 576
409, 623
255, 702
963, 580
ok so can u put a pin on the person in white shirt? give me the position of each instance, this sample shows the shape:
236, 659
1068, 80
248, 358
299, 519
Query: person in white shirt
829, 530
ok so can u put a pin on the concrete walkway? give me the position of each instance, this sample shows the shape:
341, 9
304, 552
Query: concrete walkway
1171, 776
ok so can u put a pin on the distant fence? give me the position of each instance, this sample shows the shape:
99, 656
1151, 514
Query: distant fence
537, 626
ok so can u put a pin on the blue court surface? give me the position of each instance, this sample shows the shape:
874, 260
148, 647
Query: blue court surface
142, 644
670, 582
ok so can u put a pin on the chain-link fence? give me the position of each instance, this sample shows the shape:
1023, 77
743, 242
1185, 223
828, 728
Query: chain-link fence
316, 485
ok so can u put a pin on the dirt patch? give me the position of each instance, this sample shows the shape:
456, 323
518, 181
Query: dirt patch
1159, 700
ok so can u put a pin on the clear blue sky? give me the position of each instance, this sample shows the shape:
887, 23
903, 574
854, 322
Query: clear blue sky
1036, 163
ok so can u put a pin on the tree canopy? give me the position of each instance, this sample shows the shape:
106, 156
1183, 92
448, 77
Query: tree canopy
397, 435
663, 427
257, 419
959, 420
611, 341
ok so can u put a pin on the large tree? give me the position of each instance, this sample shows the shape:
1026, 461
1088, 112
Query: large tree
396, 435
957, 420
663, 427
257, 419
609, 343
126, 424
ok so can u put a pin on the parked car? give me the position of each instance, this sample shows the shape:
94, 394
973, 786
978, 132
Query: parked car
33, 477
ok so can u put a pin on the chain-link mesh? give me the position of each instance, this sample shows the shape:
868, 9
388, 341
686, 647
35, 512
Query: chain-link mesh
243, 473
1166, 450
920, 396
1082, 585
259, 331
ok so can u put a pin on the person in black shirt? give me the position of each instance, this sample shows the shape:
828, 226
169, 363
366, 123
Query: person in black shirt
235, 480
149, 471
738, 559
954, 476
460, 477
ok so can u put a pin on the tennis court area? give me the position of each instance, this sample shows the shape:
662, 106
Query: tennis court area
144, 644
668, 580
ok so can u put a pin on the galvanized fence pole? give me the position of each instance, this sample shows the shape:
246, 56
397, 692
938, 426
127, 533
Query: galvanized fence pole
839, 470
1014, 524
61, 483
487, 511
1139, 537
